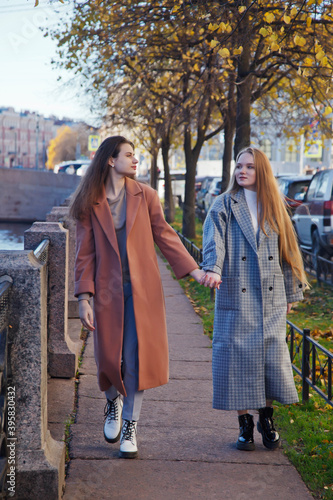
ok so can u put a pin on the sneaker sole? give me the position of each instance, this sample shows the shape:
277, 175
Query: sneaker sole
268, 444
128, 454
114, 440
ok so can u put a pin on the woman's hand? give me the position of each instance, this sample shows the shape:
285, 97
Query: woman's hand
198, 274
289, 307
86, 314
211, 280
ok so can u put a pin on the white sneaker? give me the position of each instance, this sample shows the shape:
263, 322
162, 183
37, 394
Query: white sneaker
112, 416
128, 445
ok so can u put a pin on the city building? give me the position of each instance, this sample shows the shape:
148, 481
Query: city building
22, 134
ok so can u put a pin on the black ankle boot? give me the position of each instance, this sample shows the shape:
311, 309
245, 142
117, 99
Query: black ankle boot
245, 439
265, 425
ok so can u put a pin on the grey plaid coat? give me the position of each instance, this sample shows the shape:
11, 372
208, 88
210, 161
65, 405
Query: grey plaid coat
251, 361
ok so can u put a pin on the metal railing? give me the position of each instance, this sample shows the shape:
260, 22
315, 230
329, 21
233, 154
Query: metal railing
311, 361
41, 252
192, 249
5, 285
319, 267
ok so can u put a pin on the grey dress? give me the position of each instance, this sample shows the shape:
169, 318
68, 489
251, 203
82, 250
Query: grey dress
251, 361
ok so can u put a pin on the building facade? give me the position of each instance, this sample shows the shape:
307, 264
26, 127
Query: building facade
24, 138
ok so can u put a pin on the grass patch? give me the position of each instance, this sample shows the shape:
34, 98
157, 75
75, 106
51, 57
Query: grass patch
316, 313
307, 437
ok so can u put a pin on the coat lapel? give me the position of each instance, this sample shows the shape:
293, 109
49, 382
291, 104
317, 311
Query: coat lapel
103, 214
262, 235
242, 215
132, 202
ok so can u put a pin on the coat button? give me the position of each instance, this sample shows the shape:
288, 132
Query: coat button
300, 285
270, 257
270, 288
243, 258
243, 290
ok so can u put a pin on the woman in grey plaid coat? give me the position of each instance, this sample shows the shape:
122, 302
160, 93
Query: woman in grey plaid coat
250, 254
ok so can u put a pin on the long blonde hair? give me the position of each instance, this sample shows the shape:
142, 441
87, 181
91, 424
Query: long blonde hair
273, 210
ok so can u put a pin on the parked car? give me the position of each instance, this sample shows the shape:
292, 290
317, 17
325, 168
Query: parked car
201, 193
313, 219
294, 188
82, 170
213, 191
198, 183
70, 167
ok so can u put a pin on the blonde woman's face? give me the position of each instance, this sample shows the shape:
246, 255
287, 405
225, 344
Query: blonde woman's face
245, 172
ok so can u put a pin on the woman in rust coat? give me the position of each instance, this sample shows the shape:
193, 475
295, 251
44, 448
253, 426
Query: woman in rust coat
118, 222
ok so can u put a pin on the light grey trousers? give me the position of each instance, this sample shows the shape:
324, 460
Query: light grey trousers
130, 362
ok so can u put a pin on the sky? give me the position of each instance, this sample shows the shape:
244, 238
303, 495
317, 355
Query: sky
28, 81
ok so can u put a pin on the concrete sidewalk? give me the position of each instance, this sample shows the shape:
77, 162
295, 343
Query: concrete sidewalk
186, 449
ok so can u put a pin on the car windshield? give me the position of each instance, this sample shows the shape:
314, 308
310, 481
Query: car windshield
297, 188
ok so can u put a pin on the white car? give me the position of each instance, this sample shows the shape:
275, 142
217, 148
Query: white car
213, 191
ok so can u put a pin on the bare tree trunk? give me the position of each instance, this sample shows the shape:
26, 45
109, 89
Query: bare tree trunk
191, 158
227, 155
229, 130
153, 168
243, 127
169, 205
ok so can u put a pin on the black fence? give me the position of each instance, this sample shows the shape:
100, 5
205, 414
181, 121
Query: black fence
193, 250
309, 359
319, 267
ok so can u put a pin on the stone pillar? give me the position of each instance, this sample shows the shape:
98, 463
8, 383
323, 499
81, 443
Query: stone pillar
40, 460
63, 353
61, 214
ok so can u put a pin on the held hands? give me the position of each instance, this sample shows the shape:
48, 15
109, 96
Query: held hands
197, 274
86, 315
208, 278
211, 280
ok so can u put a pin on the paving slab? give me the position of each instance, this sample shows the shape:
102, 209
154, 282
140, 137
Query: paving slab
168, 414
189, 444
163, 480
190, 353
88, 366
186, 449
190, 370
188, 341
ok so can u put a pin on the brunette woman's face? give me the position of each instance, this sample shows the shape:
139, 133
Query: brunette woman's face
246, 172
125, 163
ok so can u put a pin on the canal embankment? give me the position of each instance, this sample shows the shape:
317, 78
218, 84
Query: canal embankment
28, 195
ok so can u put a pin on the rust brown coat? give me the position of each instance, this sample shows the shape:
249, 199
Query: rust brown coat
98, 271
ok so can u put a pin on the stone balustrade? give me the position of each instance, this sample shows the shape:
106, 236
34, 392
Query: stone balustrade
39, 347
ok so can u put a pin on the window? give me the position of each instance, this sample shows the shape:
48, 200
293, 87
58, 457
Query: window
283, 185
266, 147
312, 187
322, 185
291, 151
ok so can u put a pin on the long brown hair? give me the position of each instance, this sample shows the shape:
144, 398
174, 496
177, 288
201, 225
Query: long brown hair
273, 210
91, 185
